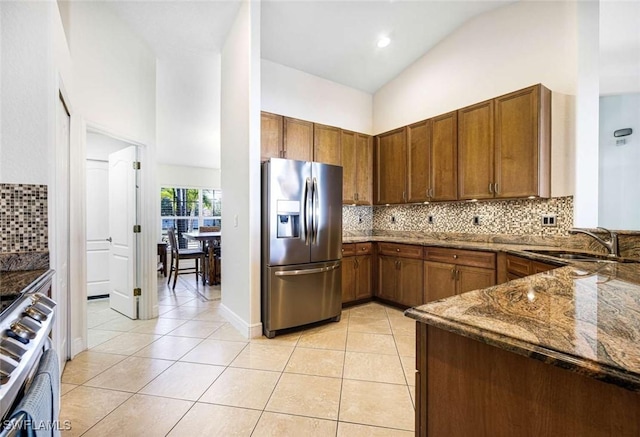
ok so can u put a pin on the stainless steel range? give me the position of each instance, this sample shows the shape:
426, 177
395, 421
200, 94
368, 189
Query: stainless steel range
26, 320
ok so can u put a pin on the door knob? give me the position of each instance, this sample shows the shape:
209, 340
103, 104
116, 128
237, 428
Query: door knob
109, 239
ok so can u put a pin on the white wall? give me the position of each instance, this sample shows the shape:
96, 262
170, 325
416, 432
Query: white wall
27, 75
297, 94
503, 50
188, 108
619, 176
100, 146
115, 73
189, 177
587, 119
240, 155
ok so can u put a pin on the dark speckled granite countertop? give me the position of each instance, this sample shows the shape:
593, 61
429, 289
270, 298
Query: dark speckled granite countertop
584, 317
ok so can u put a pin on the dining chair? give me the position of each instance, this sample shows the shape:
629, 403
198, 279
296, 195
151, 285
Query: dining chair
213, 252
177, 254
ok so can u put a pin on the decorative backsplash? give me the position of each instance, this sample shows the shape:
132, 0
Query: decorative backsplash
511, 217
23, 218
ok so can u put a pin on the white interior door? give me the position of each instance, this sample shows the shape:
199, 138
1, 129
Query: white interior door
97, 228
122, 216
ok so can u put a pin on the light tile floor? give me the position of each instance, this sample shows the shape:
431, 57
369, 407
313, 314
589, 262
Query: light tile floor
190, 373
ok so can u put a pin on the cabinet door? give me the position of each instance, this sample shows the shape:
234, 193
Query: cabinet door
387, 272
391, 167
326, 144
474, 278
475, 151
270, 136
298, 139
348, 279
364, 172
523, 143
444, 157
418, 165
409, 285
363, 277
349, 167
439, 280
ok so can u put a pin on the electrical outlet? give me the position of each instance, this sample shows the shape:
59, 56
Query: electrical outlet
359, 218
430, 219
549, 220
393, 219
476, 220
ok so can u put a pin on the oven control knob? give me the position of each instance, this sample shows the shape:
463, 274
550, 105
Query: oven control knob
35, 313
22, 331
15, 336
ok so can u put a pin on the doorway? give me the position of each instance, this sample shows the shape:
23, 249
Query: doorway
112, 210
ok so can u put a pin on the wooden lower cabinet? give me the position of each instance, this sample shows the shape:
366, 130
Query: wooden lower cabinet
356, 272
400, 280
439, 281
387, 266
409, 282
467, 388
462, 271
519, 267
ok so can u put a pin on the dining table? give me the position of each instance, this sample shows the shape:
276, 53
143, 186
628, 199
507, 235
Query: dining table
209, 242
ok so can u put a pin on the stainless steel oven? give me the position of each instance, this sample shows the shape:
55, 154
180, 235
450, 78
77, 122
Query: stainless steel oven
29, 375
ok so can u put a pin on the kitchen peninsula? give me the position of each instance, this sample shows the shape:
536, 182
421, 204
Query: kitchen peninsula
554, 353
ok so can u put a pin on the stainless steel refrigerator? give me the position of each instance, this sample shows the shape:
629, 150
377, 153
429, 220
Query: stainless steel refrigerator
301, 243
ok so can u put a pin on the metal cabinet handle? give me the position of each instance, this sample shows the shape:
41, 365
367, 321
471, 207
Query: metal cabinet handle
404, 196
397, 250
455, 256
109, 239
453, 273
495, 188
357, 263
490, 188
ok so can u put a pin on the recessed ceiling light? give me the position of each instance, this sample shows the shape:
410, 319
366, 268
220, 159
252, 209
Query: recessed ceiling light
383, 41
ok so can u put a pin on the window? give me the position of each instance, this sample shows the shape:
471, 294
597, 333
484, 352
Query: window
186, 209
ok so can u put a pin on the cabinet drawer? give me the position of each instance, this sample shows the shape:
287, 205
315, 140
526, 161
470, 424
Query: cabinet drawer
348, 249
402, 250
363, 249
539, 267
518, 266
472, 258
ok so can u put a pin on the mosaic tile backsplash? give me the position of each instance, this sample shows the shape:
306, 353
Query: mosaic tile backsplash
23, 218
510, 217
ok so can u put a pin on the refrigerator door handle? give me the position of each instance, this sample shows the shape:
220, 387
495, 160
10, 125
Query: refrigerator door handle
307, 271
316, 214
306, 209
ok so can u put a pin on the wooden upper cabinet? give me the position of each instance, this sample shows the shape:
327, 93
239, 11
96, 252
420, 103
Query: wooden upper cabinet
298, 139
349, 167
364, 165
418, 161
326, 144
391, 165
271, 138
523, 143
357, 156
444, 157
475, 151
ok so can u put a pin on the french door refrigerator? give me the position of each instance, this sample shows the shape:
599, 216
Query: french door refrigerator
301, 243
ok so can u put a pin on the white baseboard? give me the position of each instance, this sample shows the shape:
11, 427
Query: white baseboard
249, 331
77, 346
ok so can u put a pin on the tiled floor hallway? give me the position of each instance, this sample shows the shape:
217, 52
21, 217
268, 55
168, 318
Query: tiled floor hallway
190, 373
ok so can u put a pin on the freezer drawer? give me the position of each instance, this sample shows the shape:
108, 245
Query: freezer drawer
301, 294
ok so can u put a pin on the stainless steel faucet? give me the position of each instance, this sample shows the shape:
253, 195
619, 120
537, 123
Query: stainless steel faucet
611, 245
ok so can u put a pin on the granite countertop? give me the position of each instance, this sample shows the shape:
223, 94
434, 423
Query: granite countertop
16, 282
584, 317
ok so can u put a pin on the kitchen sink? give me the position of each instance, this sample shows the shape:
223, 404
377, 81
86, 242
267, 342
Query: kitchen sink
579, 256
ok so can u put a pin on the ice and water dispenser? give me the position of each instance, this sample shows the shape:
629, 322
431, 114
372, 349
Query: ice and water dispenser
288, 212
